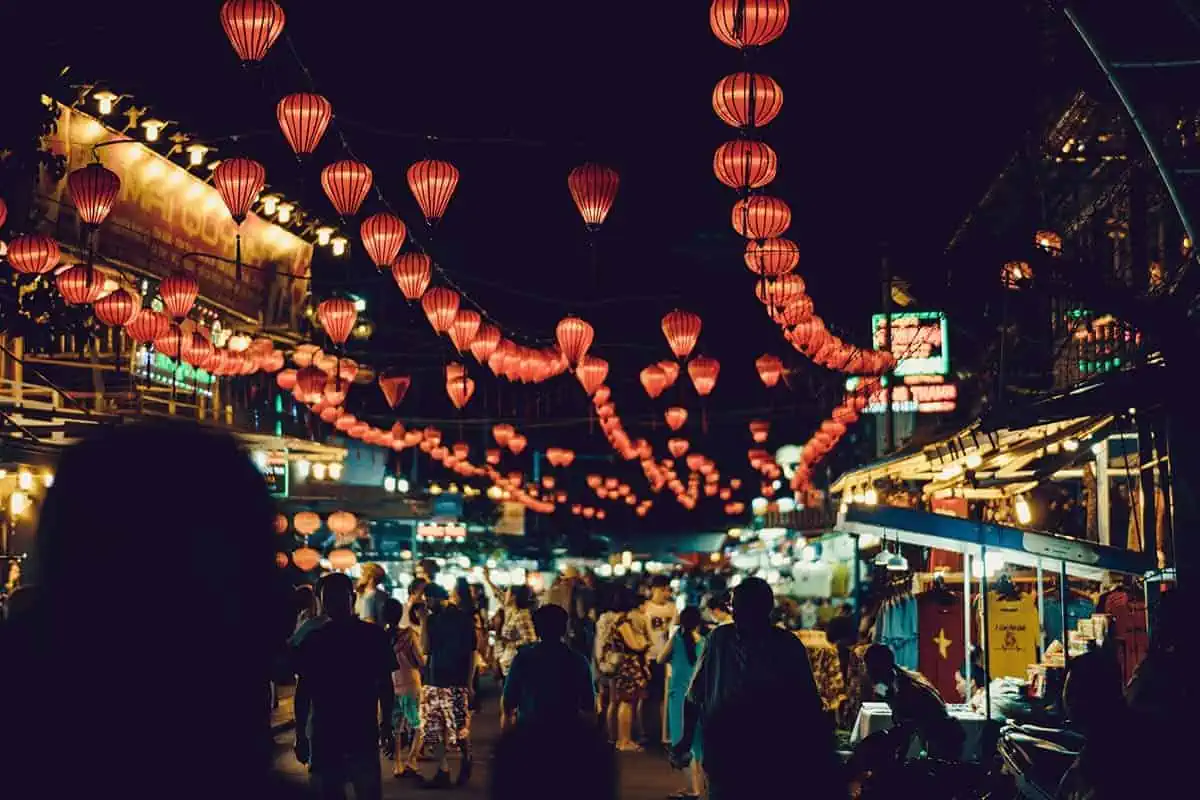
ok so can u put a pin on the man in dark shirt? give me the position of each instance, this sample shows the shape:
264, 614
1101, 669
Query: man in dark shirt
345, 669
449, 644
548, 680
917, 708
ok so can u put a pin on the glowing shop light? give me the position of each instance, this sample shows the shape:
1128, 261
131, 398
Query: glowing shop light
786, 505
285, 213
25, 480
1070, 445
870, 497
104, 101
324, 234
196, 154
389, 483
270, 204
337, 245
318, 471
152, 128
18, 503
974, 461
1024, 512
335, 471
304, 468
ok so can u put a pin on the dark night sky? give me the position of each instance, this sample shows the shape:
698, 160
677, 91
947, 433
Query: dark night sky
895, 118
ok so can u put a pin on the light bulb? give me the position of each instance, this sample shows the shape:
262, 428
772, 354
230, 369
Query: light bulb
25, 480
338, 245
335, 471
304, 468
285, 213
1024, 513
324, 233
974, 460
104, 102
270, 204
870, 497
153, 127
318, 471
18, 504
389, 483
196, 153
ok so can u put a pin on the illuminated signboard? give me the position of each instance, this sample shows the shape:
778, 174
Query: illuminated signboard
441, 532
923, 398
920, 341
186, 379
275, 473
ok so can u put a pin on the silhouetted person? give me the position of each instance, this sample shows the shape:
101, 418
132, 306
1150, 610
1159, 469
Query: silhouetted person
114, 692
917, 708
552, 760
345, 669
449, 647
754, 694
548, 680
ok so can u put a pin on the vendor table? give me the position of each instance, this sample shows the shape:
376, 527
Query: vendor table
875, 717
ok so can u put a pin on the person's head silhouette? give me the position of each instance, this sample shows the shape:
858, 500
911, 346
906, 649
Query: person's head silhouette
337, 595
550, 623
753, 602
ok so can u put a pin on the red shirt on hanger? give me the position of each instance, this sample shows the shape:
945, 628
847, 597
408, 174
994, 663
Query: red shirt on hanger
941, 650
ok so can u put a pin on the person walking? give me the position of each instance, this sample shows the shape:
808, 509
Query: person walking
370, 595
548, 680
659, 615
517, 629
406, 683
625, 658
449, 647
680, 657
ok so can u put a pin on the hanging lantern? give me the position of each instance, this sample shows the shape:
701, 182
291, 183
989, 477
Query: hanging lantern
303, 118
382, 237
93, 190
33, 254
503, 434
394, 388
492, 456
346, 184
305, 558
196, 349
654, 380
799, 309
1049, 241
574, 338
117, 308
433, 184
759, 429
168, 344
455, 371
1016, 275
463, 329
412, 272
517, 443
772, 257
310, 384
671, 370
678, 447
238, 181
178, 294
460, 391
80, 285
566, 457
441, 306
682, 329
252, 26
147, 326
703, 371
780, 290
745, 164
331, 414
747, 100
591, 373
485, 342
342, 559
3, 212
601, 395
337, 315
748, 23
770, 368
676, 416
594, 188
760, 216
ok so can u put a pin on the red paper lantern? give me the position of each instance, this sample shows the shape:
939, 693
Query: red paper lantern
168, 344
759, 429
310, 384
382, 237
117, 308
760, 216
654, 380
460, 391
745, 164
33, 254
678, 447
770, 368
412, 272
517, 443
797, 310
682, 329
337, 315
394, 388
503, 434
3, 212
178, 294
591, 373
252, 26
779, 291
748, 23
303, 118
485, 342
703, 371
342, 559
464, 327
346, 184
747, 100
238, 181
574, 338
676, 416
441, 306
196, 349
594, 188
93, 190
433, 184
147, 326
80, 285
772, 257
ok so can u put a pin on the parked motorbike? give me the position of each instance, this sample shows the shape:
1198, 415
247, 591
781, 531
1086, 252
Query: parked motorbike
1035, 758
881, 767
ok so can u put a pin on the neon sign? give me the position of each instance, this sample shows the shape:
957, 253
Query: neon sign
920, 341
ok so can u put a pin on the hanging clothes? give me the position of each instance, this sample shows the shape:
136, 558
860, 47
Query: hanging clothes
858, 687
1078, 607
942, 651
1127, 630
1013, 633
899, 629
826, 668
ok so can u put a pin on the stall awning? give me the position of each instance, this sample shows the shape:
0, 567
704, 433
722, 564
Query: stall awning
662, 547
925, 529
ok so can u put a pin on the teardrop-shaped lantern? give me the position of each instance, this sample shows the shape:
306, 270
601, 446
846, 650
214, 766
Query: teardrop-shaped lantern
337, 315
745, 164
748, 23
178, 293
503, 433
675, 416
433, 184
654, 380
770, 369
441, 306
772, 257
486, 340
80, 285
574, 338
412, 273
93, 190
460, 391
464, 327
760, 216
116, 308
238, 181
147, 325
33, 254
346, 184
671, 370
394, 387
3, 212
594, 188
678, 447
252, 26
682, 329
303, 118
591, 373
382, 237
747, 100
703, 371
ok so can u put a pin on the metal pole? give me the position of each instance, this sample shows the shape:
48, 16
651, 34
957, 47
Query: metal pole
1041, 603
983, 632
1063, 591
966, 615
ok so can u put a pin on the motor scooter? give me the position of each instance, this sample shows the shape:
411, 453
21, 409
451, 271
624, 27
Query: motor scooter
1035, 758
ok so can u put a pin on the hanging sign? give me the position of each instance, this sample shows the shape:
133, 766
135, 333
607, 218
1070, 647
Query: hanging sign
512, 519
920, 341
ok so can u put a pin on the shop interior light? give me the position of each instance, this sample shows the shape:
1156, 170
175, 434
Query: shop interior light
870, 496
18, 503
786, 505
153, 127
626, 558
1024, 512
882, 558
260, 458
25, 480
324, 234
3, 474
1070, 445
758, 506
897, 563
304, 468
952, 471
495, 492
318, 471
335, 471
337, 245
974, 461
196, 153
285, 213
270, 204
104, 101
389, 483
47, 479
402, 485
435, 489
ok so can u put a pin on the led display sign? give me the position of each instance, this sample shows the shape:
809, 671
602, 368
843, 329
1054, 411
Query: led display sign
920, 341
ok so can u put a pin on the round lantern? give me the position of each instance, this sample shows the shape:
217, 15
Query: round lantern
760, 216
682, 329
503, 434
671, 370
80, 285
799, 309
252, 26
460, 391
303, 118
747, 100
485, 342
337, 315
148, 325
412, 272
1016, 275
346, 184
772, 257
196, 349
281, 524
342, 523
703, 371
745, 164
169, 343
675, 416
654, 380
678, 447
433, 184
759, 429
238, 181
306, 559
591, 373
441, 306
117, 308
93, 190
517, 443
574, 338
463, 329
33, 254
342, 559
770, 369
3, 212
394, 387
382, 237
306, 523
310, 384
748, 23
594, 188
178, 294
780, 290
